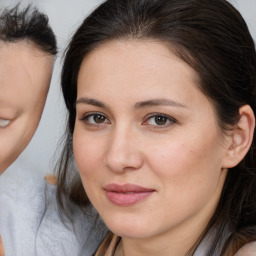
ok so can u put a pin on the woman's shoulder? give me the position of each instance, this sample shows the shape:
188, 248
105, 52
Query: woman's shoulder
18, 188
63, 236
30, 213
22, 201
247, 250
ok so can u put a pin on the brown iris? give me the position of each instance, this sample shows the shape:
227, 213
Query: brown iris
99, 119
160, 120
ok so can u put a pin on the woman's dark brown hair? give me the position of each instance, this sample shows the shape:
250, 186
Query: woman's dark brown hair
17, 24
213, 38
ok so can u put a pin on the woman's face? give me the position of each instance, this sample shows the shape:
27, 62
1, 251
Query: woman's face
25, 74
146, 141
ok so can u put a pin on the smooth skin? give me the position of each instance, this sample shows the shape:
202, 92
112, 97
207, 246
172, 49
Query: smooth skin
142, 120
25, 74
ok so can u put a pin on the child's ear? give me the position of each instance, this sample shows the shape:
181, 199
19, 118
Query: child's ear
241, 137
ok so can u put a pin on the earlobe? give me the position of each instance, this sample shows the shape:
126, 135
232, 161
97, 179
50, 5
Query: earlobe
241, 137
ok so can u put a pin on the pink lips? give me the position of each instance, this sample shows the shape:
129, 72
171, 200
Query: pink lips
126, 195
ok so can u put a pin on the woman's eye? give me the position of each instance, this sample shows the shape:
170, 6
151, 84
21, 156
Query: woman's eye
95, 119
160, 120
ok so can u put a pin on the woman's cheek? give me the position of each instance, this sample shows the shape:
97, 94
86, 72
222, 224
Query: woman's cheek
87, 153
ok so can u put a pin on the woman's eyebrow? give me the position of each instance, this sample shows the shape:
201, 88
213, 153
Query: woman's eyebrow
141, 104
89, 101
159, 102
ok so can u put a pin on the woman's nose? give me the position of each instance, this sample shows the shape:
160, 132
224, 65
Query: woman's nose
123, 152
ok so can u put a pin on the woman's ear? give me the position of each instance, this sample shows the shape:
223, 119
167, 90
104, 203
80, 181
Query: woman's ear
241, 137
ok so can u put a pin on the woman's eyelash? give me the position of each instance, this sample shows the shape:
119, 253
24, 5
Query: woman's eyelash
155, 120
95, 118
159, 120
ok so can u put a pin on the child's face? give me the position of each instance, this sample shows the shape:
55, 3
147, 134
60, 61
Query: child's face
146, 141
25, 74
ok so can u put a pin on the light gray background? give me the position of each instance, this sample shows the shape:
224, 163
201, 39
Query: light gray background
65, 16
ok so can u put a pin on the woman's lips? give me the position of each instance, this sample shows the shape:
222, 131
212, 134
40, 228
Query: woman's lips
126, 195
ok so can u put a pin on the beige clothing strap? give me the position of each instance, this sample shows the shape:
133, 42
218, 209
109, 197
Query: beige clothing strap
108, 246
